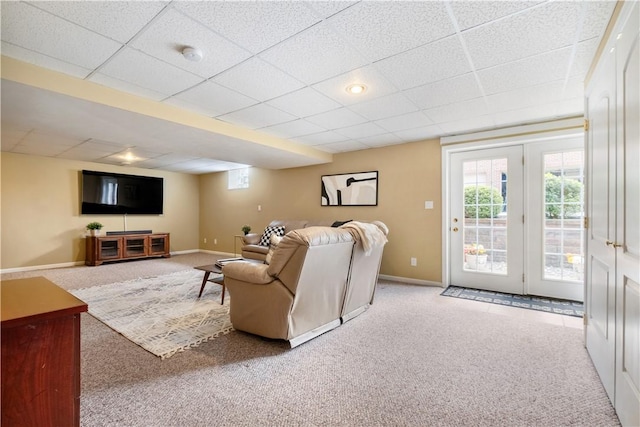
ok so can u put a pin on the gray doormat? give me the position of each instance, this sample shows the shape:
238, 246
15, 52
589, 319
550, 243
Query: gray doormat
549, 305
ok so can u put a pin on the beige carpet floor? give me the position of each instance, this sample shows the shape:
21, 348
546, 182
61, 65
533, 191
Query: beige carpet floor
414, 359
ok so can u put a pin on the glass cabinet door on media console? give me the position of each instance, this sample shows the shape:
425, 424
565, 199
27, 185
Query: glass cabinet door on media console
158, 244
135, 246
109, 248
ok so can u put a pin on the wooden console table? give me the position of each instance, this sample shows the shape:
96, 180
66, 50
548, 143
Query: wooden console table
126, 246
40, 354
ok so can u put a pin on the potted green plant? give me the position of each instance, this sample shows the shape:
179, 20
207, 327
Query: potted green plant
475, 255
246, 229
94, 228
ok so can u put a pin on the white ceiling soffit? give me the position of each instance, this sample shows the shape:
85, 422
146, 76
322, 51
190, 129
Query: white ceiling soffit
280, 69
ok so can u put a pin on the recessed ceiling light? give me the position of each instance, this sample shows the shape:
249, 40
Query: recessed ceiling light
356, 89
192, 54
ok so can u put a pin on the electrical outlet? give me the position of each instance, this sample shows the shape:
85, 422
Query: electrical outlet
215, 241
428, 204
205, 240
414, 262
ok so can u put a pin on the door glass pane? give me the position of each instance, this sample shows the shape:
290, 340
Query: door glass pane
485, 210
563, 213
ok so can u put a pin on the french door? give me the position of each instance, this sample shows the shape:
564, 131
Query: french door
554, 226
486, 228
501, 240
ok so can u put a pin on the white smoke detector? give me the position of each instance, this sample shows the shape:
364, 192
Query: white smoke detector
192, 54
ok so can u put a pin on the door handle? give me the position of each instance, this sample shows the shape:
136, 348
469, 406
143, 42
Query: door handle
455, 229
614, 244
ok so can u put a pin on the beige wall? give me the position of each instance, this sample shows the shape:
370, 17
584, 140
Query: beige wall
40, 217
41, 224
409, 174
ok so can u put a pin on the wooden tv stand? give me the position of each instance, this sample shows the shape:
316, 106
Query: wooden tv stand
126, 246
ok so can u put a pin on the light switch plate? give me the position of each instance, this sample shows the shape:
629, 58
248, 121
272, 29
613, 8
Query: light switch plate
428, 204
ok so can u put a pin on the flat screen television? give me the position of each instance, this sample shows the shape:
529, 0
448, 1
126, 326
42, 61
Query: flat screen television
114, 193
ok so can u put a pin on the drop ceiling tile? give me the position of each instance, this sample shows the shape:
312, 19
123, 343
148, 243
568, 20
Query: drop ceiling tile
436, 61
161, 41
47, 151
320, 138
419, 134
293, 129
44, 61
525, 72
361, 131
404, 121
326, 9
344, 146
550, 26
258, 116
315, 54
86, 156
304, 102
249, 78
164, 160
53, 36
10, 137
336, 119
458, 111
597, 15
117, 20
336, 87
42, 139
535, 95
104, 147
128, 87
444, 92
382, 29
585, 52
522, 116
381, 140
135, 67
471, 14
253, 25
384, 107
211, 99
472, 124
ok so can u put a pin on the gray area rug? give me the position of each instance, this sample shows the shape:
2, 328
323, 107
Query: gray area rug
530, 302
161, 314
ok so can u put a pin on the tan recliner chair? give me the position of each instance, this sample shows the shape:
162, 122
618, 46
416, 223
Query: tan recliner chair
300, 294
365, 266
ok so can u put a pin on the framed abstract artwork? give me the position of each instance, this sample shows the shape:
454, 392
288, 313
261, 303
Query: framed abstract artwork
350, 189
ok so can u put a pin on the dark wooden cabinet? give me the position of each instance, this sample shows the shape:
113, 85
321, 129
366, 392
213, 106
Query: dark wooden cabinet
127, 246
40, 354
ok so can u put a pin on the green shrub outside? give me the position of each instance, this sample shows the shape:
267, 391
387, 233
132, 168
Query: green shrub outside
488, 198
555, 206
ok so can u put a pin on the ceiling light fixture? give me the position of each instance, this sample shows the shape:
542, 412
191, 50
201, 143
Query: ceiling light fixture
356, 89
192, 54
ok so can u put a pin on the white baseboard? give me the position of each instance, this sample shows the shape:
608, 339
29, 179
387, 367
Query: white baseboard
41, 267
410, 281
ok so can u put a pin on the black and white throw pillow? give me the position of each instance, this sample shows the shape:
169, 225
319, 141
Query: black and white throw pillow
268, 231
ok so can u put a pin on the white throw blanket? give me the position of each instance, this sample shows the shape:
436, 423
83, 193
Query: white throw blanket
370, 234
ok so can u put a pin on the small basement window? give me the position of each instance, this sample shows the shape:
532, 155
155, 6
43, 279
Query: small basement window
238, 178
